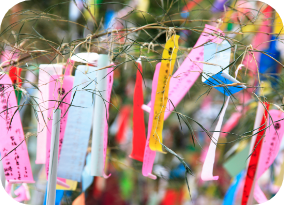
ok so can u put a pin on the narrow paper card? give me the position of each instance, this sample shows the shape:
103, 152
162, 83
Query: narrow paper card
107, 103
161, 99
45, 71
59, 90
16, 162
149, 155
79, 123
139, 133
100, 113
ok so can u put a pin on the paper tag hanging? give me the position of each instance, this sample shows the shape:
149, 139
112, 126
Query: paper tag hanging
16, 162
45, 71
79, 123
59, 90
100, 113
161, 99
270, 148
189, 71
139, 133
109, 89
149, 155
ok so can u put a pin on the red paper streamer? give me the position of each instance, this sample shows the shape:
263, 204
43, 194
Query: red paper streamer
15, 74
173, 197
139, 134
189, 6
123, 123
251, 171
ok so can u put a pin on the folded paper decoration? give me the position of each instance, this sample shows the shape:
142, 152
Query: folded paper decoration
215, 71
161, 99
45, 71
79, 124
14, 153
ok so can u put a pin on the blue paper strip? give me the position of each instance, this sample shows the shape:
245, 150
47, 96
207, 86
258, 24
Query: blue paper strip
79, 123
59, 196
230, 196
219, 79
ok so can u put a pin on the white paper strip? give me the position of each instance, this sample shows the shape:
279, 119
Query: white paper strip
207, 169
97, 166
54, 147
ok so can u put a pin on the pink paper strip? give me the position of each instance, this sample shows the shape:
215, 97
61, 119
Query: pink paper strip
17, 167
109, 88
22, 193
56, 95
190, 69
149, 155
45, 71
270, 149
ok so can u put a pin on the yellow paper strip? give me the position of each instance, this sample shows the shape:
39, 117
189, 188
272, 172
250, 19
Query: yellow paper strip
167, 65
71, 183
